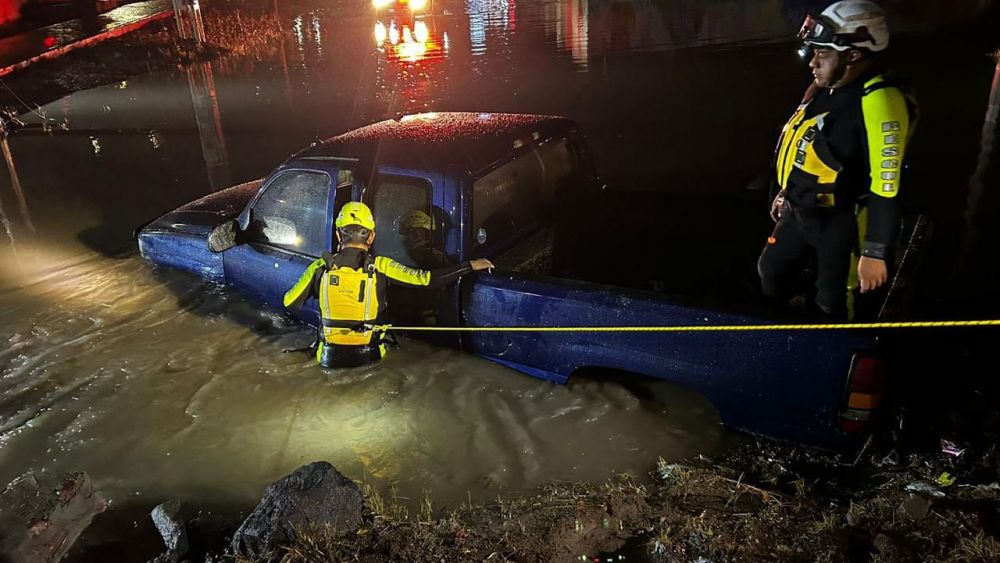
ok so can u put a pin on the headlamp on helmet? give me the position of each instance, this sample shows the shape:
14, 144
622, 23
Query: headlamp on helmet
848, 24
821, 32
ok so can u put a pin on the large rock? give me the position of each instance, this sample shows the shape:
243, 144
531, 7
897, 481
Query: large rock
167, 519
41, 516
315, 494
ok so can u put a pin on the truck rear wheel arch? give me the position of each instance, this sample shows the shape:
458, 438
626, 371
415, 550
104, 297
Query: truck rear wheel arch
637, 384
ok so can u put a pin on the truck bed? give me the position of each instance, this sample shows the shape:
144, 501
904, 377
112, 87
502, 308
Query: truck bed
700, 251
697, 249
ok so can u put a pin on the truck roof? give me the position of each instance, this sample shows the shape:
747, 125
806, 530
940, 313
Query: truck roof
464, 140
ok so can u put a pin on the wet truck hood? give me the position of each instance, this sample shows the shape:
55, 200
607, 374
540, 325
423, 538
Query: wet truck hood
179, 239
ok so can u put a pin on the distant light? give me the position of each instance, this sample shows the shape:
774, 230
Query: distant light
393, 33
477, 33
407, 36
380, 33
297, 30
49, 42
411, 51
417, 5
429, 116
318, 33
420, 32
96, 144
379, 4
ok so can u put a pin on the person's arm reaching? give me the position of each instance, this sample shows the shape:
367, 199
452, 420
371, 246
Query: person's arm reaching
297, 295
430, 279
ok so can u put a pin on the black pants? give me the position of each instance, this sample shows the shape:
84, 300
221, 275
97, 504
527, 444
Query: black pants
334, 356
832, 234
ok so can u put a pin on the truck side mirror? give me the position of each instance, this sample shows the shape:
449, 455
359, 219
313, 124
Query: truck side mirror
223, 237
481, 235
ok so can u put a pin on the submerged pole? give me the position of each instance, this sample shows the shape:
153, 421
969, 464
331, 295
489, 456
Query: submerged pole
204, 99
187, 14
15, 181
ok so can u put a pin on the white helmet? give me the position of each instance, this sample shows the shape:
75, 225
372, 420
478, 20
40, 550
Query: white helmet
848, 24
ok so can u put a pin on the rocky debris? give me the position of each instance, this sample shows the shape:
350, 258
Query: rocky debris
915, 507
760, 502
41, 517
885, 547
313, 495
924, 488
209, 535
167, 519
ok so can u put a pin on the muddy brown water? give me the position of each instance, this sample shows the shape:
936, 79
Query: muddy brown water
159, 385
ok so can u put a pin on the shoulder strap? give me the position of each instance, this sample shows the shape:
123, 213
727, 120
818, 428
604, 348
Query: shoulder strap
877, 83
328, 260
883, 81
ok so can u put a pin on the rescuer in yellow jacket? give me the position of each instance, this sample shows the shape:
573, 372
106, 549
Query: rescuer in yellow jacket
350, 286
838, 161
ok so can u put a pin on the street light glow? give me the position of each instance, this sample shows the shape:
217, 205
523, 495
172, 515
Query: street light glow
420, 32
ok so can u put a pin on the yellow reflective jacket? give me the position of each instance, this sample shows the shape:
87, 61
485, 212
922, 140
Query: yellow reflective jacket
846, 146
351, 289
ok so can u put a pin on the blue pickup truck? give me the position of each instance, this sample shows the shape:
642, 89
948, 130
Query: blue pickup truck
522, 191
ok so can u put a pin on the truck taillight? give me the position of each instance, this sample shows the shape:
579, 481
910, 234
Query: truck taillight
865, 385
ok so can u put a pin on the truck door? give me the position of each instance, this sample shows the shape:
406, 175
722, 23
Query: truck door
289, 226
410, 227
513, 210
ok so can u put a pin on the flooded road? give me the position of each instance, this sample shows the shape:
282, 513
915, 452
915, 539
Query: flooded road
159, 385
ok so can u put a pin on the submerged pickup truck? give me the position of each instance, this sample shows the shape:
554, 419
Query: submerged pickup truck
522, 191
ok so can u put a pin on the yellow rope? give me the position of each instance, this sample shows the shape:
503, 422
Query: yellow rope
699, 328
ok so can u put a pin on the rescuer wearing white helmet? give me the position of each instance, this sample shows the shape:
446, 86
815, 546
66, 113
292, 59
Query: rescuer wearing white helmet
838, 162
350, 286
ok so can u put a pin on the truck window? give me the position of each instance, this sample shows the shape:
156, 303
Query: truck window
345, 188
407, 228
291, 213
517, 194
